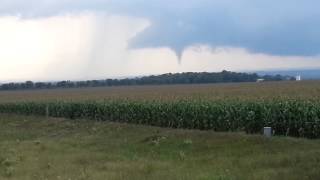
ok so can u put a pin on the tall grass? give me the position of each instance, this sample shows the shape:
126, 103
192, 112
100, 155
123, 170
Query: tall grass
298, 118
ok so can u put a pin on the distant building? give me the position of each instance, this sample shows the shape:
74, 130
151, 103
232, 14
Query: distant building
260, 80
298, 78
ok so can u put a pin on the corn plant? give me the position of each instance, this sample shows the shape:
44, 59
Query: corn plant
298, 118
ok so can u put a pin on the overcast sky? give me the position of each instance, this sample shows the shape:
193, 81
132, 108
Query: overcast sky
87, 39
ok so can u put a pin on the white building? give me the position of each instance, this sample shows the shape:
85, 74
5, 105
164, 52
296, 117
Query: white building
298, 78
260, 80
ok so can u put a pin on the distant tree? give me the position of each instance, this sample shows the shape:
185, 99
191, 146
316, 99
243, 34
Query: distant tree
29, 85
169, 78
40, 85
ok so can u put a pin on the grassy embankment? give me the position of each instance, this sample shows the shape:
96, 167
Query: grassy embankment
34, 148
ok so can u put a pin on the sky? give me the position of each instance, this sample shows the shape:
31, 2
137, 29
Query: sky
95, 39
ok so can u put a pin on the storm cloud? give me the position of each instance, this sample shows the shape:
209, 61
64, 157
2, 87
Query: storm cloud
287, 27
86, 39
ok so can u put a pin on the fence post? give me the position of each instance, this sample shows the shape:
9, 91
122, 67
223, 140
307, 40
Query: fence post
47, 111
267, 132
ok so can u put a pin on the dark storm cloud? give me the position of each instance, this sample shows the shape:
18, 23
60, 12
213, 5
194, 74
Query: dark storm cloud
286, 27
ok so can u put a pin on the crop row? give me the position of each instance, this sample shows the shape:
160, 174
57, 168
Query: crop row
296, 118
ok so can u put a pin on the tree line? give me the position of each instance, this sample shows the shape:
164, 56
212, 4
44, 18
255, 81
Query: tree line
169, 78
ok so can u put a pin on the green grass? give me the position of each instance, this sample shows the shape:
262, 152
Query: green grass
34, 148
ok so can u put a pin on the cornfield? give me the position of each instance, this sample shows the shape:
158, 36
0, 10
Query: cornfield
291, 117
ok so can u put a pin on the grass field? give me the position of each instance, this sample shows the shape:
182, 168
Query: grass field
33, 148
267, 90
